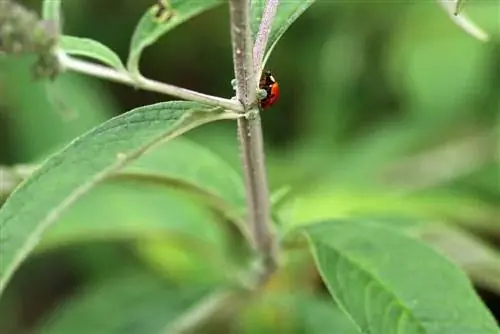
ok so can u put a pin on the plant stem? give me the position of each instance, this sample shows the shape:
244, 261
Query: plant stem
241, 38
104, 72
251, 142
251, 139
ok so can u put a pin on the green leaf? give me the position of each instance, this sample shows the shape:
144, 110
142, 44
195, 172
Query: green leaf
189, 235
158, 20
81, 165
286, 14
92, 49
130, 209
133, 303
390, 283
183, 163
51, 10
130, 201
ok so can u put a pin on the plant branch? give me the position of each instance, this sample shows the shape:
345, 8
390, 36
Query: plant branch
104, 72
251, 139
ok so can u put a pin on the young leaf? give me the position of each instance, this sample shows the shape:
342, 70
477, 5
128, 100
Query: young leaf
390, 283
51, 10
92, 49
85, 162
158, 20
133, 303
287, 13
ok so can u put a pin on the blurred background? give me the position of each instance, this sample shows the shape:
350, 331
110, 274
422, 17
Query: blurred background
386, 108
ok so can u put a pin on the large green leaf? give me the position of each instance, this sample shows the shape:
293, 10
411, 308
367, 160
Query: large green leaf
390, 283
134, 303
287, 12
158, 20
189, 235
81, 165
132, 209
185, 164
87, 47
482, 263
142, 201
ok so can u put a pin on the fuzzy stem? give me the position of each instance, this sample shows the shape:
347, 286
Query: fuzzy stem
104, 72
241, 38
251, 139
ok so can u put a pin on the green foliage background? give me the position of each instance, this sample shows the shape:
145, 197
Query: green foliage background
363, 85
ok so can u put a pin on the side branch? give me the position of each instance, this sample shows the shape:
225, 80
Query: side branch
104, 72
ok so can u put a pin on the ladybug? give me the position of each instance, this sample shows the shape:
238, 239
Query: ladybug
270, 85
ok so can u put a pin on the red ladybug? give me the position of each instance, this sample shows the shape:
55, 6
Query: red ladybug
270, 85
